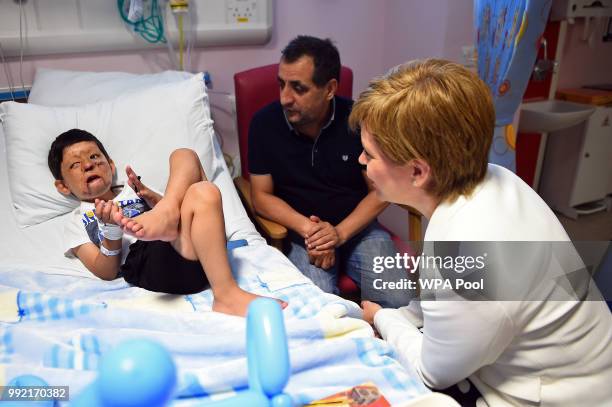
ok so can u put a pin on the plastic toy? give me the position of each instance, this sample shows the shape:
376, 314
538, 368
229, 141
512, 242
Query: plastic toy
140, 373
268, 359
24, 381
136, 373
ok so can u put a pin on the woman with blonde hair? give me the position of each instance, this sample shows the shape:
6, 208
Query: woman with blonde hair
427, 128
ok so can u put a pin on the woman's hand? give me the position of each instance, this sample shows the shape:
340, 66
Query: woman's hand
369, 311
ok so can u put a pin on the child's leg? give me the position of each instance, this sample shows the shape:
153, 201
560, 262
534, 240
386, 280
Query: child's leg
190, 216
162, 222
202, 236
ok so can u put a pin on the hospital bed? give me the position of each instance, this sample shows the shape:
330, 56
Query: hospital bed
57, 319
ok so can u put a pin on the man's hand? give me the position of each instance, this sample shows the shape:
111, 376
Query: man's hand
369, 311
322, 235
305, 228
324, 259
150, 197
105, 211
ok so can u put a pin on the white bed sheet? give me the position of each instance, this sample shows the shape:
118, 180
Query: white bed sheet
41, 245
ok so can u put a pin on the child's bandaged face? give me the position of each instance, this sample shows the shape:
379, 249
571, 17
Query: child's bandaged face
86, 171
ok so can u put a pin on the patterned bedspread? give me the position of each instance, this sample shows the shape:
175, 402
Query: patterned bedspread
58, 327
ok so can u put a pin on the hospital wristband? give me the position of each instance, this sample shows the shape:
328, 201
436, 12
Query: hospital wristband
108, 252
110, 231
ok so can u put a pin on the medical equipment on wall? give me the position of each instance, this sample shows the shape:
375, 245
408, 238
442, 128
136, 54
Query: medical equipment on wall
135, 10
150, 27
7, 73
182, 14
570, 9
22, 26
594, 12
74, 26
151, 23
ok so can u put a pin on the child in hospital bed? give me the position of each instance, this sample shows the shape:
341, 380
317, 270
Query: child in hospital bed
178, 247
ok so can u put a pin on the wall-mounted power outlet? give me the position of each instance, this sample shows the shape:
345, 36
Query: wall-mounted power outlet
241, 11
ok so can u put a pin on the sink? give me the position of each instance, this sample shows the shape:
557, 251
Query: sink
552, 115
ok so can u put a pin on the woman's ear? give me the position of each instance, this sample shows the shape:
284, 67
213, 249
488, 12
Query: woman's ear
61, 187
420, 175
113, 167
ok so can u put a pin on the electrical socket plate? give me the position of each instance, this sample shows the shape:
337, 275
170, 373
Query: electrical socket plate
241, 11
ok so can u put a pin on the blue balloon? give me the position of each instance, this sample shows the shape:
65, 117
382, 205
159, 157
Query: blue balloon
27, 380
23, 381
137, 373
267, 357
282, 400
267, 351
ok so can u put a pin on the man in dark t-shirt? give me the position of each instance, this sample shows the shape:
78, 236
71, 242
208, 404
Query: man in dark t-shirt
305, 174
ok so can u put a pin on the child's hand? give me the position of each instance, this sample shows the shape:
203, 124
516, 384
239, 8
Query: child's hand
105, 211
150, 197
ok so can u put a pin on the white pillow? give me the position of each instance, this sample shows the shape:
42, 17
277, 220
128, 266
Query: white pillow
140, 129
66, 88
53, 87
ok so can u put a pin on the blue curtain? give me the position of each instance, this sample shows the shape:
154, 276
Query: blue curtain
508, 39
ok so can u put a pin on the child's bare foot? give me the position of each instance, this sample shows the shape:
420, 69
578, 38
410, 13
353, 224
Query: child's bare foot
160, 223
237, 303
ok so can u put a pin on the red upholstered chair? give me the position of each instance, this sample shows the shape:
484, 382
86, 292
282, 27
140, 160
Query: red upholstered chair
256, 88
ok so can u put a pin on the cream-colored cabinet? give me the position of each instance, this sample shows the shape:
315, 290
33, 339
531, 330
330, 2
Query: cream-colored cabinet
577, 167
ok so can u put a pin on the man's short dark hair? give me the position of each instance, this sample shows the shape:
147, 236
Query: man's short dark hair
324, 54
66, 139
